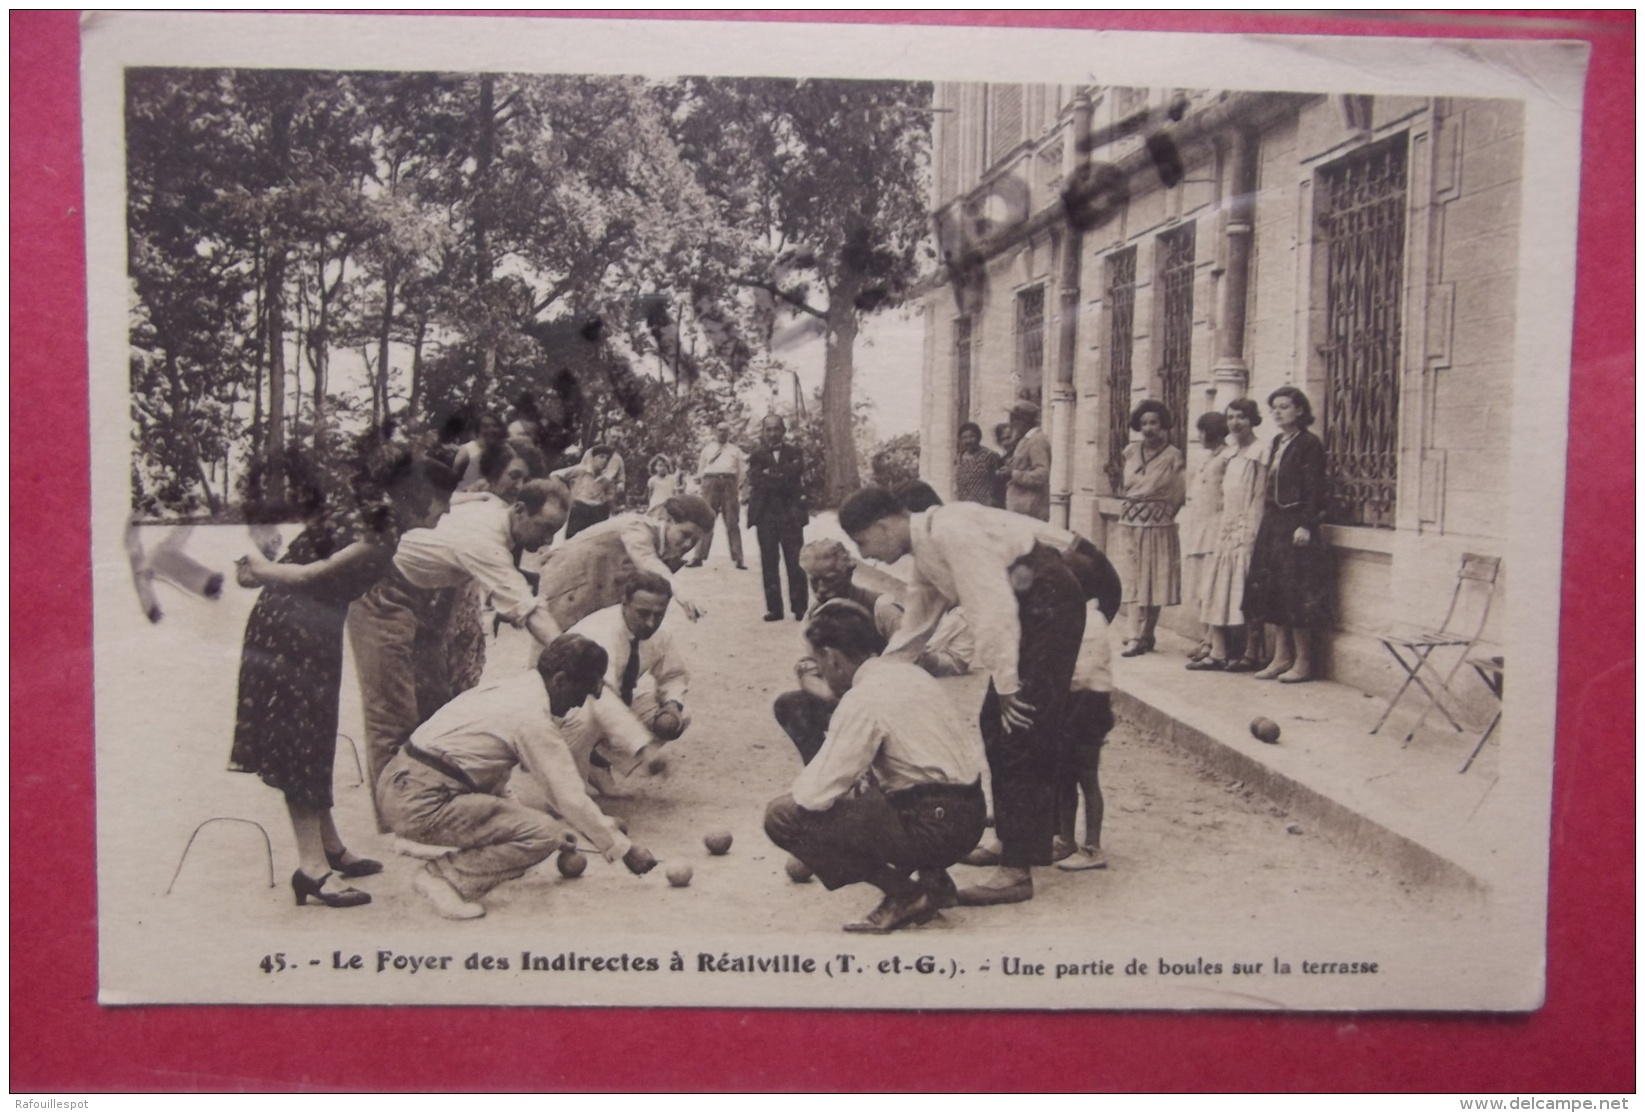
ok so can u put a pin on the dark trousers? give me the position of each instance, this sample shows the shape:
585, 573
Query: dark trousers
784, 538
804, 718
1030, 767
1096, 576
720, 492
583, 515
867, 831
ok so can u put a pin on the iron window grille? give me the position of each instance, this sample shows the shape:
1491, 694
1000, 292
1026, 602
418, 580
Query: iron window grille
1176, 326
1030, 343
962, 369
1122, 301
1360, 227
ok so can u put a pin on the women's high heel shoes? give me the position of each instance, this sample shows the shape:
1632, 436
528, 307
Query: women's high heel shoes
303, 886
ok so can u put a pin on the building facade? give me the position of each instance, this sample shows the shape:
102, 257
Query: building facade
1107, 244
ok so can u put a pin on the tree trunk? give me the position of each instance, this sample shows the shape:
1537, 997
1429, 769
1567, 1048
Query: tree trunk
416, 371
839, 437
274, 474
379, 413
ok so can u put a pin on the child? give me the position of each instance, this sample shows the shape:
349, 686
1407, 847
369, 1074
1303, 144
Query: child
665, 482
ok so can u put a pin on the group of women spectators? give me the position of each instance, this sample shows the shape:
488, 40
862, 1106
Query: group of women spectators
1248, 546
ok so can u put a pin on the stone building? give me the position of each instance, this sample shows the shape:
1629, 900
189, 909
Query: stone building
1110, 244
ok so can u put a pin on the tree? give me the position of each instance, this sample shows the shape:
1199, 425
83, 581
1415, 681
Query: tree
827, 181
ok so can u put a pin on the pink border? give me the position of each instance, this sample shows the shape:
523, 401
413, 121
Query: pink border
63, 1041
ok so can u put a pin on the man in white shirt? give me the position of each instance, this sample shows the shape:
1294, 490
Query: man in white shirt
896, 787
473, 544
720, 472
641, 704
448, 784
1026, 607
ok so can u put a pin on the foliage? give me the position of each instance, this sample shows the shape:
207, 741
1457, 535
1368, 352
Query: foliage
313, 253
896, 460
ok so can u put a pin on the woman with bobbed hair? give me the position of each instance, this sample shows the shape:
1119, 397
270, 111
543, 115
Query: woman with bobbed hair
1290, 583
1198, 522
1244, 481
1149, 547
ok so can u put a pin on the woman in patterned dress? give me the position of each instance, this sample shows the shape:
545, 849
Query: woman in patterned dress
976, 469
292, 664
1153, 494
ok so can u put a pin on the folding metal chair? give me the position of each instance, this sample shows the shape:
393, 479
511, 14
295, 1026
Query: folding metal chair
1476, 580
1490, 670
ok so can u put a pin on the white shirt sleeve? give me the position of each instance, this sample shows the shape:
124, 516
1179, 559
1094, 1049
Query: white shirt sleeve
555, 771
492, 567
667, 669
981, 579
854, 740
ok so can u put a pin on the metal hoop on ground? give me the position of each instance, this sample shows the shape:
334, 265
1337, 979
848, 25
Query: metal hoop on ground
268, 847
359, 770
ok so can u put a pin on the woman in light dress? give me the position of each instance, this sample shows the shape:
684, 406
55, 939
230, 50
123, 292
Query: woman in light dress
1200, 518
1244, 482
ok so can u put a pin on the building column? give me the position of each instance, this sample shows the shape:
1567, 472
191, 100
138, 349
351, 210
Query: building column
1063, 394
1230, 375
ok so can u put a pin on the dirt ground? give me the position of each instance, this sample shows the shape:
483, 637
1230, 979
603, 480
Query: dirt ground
1179, 840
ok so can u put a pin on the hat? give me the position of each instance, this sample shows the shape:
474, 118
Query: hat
1025, 411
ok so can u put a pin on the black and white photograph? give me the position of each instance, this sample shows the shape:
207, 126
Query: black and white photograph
841, 517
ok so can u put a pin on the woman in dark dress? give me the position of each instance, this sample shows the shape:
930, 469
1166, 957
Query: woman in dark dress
292, 665
1290, 583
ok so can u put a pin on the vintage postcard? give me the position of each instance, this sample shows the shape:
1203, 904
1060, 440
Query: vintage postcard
648, 513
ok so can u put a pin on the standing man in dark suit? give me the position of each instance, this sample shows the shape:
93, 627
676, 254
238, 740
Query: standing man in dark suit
776, 510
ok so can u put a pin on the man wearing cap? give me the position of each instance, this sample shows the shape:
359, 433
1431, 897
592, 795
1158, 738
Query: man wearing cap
720, 471
1029, 489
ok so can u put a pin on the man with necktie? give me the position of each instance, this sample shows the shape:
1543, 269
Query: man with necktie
641, 704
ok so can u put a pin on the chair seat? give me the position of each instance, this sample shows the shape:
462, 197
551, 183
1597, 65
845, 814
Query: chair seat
1424, 637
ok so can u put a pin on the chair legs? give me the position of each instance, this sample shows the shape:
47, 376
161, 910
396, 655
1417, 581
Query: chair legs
1413, 675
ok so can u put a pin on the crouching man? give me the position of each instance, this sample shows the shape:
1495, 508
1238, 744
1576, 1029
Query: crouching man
447, 786
897, 785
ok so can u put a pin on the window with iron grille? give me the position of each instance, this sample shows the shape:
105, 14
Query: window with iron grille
1030, 343
1122, 301
1176, 271
962, 370
1360, 228
1005, 120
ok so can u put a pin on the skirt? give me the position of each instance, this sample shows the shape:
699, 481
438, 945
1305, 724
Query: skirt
1153, 565
1289, 584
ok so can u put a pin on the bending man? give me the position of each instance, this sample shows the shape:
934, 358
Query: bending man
447, 786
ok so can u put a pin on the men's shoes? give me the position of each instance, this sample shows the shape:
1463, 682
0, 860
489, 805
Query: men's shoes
774, 617
447, 901
940, 888
698, 564
893, 914
741, 567
978, 896
981, 856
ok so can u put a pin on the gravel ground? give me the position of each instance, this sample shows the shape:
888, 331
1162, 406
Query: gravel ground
1178, 838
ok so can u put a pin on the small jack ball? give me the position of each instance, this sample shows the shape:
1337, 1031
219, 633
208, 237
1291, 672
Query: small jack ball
718, 843
1265, 730
678, 876
571, 863
798, 871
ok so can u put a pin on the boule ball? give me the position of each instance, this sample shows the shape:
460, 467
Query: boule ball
718, 842
1265, 730
571, 862
678, 876
798, 871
